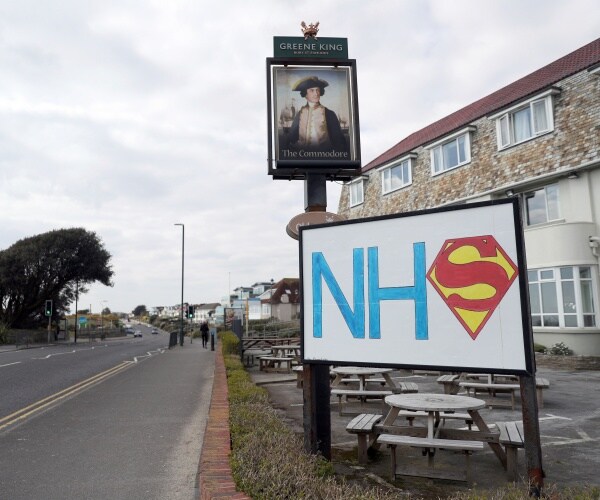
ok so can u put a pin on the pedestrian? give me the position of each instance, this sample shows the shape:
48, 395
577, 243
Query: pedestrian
204, 331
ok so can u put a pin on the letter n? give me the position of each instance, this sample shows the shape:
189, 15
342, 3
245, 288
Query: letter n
322, 272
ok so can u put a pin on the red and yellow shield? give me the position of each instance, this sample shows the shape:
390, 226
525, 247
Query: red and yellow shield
472, 275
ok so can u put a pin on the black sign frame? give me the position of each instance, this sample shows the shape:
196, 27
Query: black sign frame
299, 168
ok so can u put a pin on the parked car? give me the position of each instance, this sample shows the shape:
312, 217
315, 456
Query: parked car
137, 333
154, 331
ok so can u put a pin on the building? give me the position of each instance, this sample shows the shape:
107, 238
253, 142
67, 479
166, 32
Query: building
282, 302
538, 138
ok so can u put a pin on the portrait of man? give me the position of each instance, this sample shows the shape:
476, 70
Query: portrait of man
313, 114
315, 127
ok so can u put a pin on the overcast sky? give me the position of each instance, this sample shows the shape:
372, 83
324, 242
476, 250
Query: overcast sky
125, 117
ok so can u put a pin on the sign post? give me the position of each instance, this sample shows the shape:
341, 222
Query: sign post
313, 136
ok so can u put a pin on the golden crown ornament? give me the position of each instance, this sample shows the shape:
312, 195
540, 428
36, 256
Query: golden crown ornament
310, 31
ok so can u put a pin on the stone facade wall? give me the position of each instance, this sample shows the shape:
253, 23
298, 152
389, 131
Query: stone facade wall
574, 141
567, 363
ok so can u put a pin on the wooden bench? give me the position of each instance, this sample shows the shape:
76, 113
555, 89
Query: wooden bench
511, 436
363, 395
251, 354
363, 426
367, 381
450, 383
492, 389
466, 447
299, 370
275, 364
411, 415
540, 385
406, 388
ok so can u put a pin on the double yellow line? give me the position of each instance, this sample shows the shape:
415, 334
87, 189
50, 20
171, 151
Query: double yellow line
38, 406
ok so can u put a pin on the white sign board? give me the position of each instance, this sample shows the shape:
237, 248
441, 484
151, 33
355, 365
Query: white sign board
441, 289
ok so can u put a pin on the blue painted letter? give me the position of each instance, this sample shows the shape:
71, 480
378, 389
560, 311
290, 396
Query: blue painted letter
417, 292
355, 320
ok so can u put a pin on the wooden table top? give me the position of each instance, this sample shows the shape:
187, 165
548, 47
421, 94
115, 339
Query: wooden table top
359, 370
434, 402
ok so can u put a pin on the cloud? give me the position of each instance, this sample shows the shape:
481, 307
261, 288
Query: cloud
128, 117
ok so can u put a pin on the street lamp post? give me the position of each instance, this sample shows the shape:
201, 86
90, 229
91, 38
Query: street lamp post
182, 274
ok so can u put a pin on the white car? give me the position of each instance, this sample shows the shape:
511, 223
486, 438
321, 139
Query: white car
137, 333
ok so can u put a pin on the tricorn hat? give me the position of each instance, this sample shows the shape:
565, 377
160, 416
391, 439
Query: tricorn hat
308, 83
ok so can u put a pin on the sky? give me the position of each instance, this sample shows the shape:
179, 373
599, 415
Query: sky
127, 117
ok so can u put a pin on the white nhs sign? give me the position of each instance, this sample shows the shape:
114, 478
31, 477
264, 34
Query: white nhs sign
441, 289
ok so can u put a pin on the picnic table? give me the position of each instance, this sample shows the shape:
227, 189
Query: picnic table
436, 408
348, 377
433, 436
282, 358
286, 351
362, 375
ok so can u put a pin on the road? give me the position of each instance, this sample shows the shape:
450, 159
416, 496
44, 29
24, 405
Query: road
116, 419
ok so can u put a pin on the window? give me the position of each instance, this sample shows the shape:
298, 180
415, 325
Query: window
562, 297
525, 122
397, 176
452, 152
542, 205
356, 193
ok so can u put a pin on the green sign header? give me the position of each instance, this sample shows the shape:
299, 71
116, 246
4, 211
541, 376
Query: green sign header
323, 48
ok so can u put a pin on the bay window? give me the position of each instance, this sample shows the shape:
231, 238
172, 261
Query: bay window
562, 297
542, 205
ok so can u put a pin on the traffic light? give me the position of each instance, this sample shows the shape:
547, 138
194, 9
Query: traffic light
48, 308
190, 312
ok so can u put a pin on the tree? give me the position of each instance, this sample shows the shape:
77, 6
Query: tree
51, 265
140, 311
106, 311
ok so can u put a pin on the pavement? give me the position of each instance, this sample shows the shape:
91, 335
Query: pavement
138, 434
569, 432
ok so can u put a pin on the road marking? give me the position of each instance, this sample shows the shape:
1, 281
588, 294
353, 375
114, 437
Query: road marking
554, 417
36, 407
57, 354
584, 438
10, 364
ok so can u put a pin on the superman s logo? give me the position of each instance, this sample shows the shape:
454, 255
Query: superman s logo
472, 275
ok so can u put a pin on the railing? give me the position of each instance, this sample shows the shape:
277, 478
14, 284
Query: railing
275, 329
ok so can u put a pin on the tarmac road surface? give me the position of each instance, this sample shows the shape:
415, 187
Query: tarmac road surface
136, 434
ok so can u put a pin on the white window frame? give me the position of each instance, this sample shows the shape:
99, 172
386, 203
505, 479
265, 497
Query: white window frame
505, 121
557, 281
402, 165
356, 187
436, 150
548, 211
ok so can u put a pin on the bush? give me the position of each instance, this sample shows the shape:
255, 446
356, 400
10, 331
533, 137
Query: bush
560, 349
542, 349
268, 460
3, 333
230, 342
